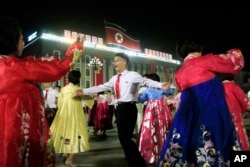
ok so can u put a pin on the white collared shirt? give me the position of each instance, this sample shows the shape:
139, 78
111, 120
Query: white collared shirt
51, 98
129, 84
110, 99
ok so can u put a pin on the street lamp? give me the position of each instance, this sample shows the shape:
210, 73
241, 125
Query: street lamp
96, 64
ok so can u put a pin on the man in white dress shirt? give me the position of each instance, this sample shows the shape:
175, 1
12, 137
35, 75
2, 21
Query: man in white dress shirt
126, 105
50, 101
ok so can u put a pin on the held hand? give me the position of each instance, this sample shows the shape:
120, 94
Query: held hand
165, 85
79, 92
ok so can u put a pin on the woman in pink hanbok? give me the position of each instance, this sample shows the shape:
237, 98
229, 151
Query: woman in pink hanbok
102, 120
156, 121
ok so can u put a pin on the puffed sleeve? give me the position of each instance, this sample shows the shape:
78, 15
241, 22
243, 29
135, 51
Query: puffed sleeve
231, 62
169, 92
143, 96
44, 69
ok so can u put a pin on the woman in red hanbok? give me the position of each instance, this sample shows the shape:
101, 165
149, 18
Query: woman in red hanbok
237, 101
102, 120
24, 131
202, 132
92, 112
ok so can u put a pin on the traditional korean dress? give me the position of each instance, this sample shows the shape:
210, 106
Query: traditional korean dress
155, 123
202, 132
69, 129
92, 112
24, 131
237, 101
102, 120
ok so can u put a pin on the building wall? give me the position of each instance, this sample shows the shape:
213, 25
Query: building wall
89, 78
165, 70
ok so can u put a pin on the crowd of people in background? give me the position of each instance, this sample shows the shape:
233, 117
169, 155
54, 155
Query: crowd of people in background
47, 119
50, 101
101, 115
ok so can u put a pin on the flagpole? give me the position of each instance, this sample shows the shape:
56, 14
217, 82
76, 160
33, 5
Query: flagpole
123, 29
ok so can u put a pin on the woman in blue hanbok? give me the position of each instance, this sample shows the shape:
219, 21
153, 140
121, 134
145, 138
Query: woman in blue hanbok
202, 132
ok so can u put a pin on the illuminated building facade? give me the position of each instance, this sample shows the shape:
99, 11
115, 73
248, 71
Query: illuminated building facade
148, 61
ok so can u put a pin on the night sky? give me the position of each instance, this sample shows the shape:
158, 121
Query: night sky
158, 26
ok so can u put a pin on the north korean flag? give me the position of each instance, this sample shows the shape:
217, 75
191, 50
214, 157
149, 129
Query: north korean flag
115, 36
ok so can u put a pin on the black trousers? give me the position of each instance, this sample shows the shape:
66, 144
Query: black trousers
126, 119
111, 112
50, 114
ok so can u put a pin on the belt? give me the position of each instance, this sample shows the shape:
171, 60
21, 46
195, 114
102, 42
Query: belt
126, 102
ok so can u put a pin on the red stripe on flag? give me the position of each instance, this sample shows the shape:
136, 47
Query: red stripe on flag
116, 37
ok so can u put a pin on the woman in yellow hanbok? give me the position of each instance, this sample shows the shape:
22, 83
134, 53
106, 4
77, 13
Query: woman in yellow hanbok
69, 129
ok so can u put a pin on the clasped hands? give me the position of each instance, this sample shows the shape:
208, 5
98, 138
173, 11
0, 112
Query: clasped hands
165, 85
79, 92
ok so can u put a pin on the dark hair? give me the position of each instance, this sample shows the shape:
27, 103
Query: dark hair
154, 77
224, 77
10, 31
58, 86
123, 56
146, 75
188, 45
74, 76
101, 93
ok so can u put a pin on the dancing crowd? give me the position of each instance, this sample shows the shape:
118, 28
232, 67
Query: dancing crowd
38, 121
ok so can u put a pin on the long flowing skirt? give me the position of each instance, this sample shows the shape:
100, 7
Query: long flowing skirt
202, 132
69, 129
102, 120
154, 129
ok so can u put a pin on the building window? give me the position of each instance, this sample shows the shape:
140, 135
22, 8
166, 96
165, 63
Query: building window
145, 69
139, 69
87, 59
162, 74
57, 53
87, 84
157, 69
87, 72
88, 78
161, 69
